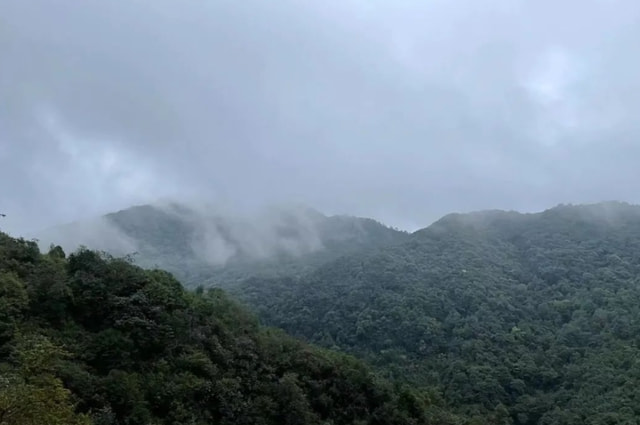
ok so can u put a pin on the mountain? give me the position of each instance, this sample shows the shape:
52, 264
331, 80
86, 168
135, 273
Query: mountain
89, 339
537, 314
200, 245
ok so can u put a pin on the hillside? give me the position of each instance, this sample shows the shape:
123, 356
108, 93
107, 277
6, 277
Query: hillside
92, 339
204, 246
535, 314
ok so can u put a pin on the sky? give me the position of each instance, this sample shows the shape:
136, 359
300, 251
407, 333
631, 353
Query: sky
398, 110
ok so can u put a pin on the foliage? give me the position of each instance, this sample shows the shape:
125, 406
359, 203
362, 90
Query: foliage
93, 338
30, 394
519, 318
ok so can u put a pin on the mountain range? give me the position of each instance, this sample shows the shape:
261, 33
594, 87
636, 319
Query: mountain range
536, 313
528, 319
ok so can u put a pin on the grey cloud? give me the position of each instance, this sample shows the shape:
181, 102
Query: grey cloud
97, 233
399, 110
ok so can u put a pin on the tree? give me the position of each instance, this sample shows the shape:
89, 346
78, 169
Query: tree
30, 394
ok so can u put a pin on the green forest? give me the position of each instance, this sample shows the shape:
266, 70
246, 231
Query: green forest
535, 314
485, 318
92, 339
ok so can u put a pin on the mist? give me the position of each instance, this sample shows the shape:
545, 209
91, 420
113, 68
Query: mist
400, 111
219, 234
203, 233
97, 234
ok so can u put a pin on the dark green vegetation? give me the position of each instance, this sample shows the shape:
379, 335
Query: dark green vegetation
93, 339
535, 317
202, 246
509, 318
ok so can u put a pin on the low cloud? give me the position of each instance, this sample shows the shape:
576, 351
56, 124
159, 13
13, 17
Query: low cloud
98, 233
220, 234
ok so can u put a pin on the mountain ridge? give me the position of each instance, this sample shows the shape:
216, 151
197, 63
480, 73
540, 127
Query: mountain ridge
200, 242
507, 314
500, 308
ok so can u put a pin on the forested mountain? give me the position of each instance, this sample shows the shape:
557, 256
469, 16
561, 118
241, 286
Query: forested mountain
510, 318
205, 246
93, 339
537, 315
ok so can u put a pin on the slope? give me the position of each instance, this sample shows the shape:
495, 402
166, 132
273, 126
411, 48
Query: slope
533, 313
93, 339
204, 246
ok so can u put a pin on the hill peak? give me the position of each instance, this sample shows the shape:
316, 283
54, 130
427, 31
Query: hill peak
185, 238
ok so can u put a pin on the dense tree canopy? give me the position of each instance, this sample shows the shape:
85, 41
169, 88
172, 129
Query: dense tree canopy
500, 317
530, 317
94, 339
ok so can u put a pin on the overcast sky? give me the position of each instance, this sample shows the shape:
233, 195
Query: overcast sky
398, 110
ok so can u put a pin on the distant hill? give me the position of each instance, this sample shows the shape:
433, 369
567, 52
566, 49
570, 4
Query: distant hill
537, 314
203, 246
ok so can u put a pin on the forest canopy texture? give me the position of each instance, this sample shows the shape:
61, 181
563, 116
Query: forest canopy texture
485, 318
538, 314
94, 339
